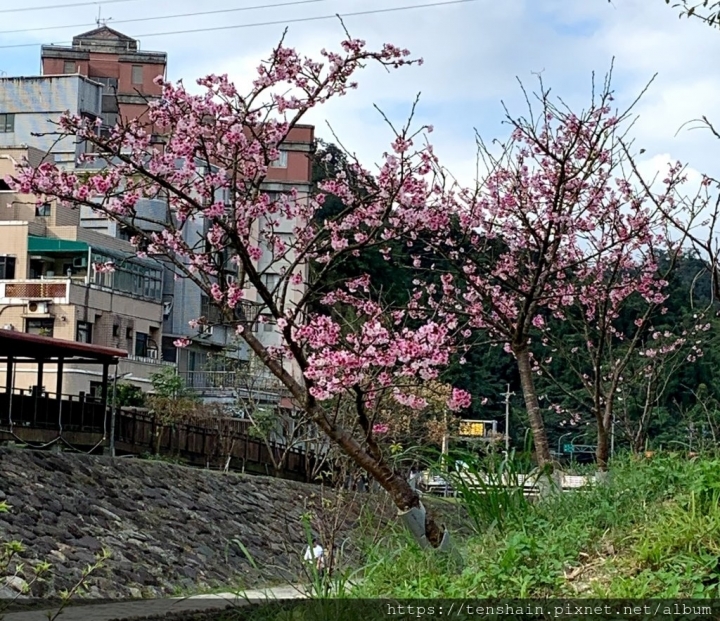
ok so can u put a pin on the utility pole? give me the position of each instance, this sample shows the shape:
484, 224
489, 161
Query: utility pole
113, 409
446, 440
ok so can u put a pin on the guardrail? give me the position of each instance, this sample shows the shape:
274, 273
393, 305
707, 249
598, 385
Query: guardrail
438, 484
232, 380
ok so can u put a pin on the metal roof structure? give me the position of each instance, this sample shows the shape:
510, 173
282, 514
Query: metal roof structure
20, 346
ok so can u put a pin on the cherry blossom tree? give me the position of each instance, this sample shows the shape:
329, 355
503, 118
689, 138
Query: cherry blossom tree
706, 10
554, 213
211, 167
613, 339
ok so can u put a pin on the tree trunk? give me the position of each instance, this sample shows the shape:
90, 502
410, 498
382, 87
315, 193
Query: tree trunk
602, 452
527, 382
604, 429
426, 531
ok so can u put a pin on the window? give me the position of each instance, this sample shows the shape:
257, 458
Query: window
128, 277
137, 74
109, 84
41, 327
95, 390
269, 325
116, 330
69, 66
141, 344
7, 123
42, 210
213, 315
84, 332
7, 268
109, 100
281, 161
271, 281
128, 333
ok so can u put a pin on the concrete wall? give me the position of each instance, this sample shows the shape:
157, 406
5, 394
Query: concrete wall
147, 213
14, 243
39, 101
16, 206
78, 378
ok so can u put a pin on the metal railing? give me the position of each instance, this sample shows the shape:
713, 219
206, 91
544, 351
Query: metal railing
149, 360
233, 380
39, 409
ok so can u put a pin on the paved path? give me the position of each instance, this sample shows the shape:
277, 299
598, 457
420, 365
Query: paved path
142, 609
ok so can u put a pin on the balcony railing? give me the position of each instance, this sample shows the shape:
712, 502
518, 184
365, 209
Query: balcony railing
233, 380
149, 360
57, 291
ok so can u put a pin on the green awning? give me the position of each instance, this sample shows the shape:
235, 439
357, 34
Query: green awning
47, 245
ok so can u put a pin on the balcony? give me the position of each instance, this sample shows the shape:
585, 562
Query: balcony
219, 382
56, 291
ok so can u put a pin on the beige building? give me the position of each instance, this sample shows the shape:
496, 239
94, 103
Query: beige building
48, 285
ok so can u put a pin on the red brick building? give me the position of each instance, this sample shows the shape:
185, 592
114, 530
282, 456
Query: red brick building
115, 60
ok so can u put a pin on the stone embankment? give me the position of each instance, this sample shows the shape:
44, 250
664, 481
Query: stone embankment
170, 529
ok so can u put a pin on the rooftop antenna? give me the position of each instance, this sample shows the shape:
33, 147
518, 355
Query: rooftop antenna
99, 20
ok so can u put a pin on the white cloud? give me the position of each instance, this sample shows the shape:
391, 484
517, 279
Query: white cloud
473, 53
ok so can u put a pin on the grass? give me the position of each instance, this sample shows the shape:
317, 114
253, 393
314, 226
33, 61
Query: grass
654, 531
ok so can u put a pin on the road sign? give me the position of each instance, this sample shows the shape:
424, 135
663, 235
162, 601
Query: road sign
579, 448
473, 428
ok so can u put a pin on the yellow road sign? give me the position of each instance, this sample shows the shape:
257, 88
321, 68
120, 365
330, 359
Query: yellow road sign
473, 428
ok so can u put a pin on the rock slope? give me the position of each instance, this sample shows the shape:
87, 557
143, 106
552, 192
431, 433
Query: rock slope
169, 528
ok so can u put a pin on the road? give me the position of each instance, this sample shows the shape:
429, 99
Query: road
142, 609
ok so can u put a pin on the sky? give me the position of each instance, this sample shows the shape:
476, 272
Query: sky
474, 54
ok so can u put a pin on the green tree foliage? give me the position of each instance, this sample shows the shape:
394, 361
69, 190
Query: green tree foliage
129, 395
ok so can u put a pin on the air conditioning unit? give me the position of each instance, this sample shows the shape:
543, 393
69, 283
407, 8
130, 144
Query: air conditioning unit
205, 330
37, 308
80, 262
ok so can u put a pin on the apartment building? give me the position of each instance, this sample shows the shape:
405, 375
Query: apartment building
48, 285
31, 106
127, 75
106, 75
200, 363
293, 170
114, 60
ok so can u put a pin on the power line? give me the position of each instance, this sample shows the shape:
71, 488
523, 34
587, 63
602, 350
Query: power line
50, 7
306, 19
275, 23
149, 19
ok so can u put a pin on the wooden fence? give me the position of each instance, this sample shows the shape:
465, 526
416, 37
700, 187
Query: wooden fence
213, 442
43, 410
41, 418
